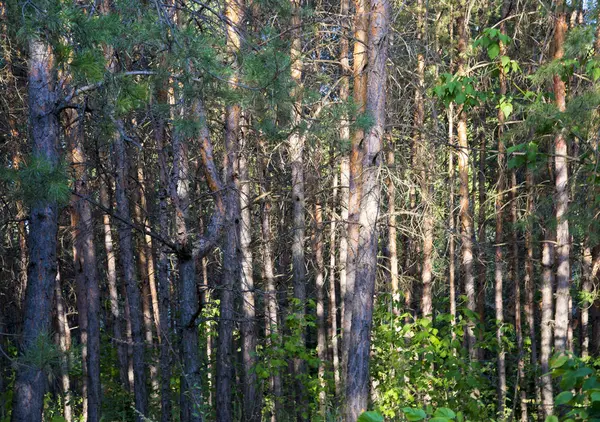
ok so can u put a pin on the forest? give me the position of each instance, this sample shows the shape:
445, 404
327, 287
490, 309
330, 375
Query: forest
299, 210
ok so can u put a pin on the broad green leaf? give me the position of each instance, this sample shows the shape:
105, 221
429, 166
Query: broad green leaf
460, 98
414, 414
558, 361
440, 419
595, 396
551, 419
506, 108
563, 398
444, 412
493, 51
370, 416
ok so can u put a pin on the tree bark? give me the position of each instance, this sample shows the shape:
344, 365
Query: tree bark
129, 275
30, 381
546, 321
466, 218
563, 271
86, 273
64, 344
357, 389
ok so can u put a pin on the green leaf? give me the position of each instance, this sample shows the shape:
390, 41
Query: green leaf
551, 419
493, 51
444, 412
370, 417
558, 361
414, 414
563, 398
507, 108
440, 419
460, 98
595, 396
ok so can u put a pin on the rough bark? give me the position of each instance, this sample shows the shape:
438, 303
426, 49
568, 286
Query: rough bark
362, 313
64, 344
30, 381
355, 175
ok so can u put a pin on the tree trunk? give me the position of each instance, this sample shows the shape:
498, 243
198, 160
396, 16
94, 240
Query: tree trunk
129, 275
546, 322
30, 381
333, 307
86, 273
466, 218
499, 258
317, 244
357, 388
354, 180
563, 271
111, 277
64, 344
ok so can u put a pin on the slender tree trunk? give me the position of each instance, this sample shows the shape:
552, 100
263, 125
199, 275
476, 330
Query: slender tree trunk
30, 380
546, 322
499, 254
333, 319
86, 269
529, 283
111, 277
563, 271
345, 159
271, 324
451, 221
422, 151
296, 156
145, 265
252, 404
362, 312
164, 287
129, 275
522, 382
466, 218
317, 243
64, 344
392, 230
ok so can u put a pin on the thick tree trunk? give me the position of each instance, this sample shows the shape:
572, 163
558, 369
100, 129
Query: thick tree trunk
30, 381
563, 271
129, 275
357, 388
355, 175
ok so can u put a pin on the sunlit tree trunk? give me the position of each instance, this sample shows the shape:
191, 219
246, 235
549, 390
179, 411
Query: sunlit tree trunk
546, 322
466, 218
30, 380
563, 271
357, 386
355, 175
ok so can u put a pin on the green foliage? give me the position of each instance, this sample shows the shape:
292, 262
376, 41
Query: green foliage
579, 399
458, 89
418, 359
39, 181
490, 39
370, 417
525, 154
